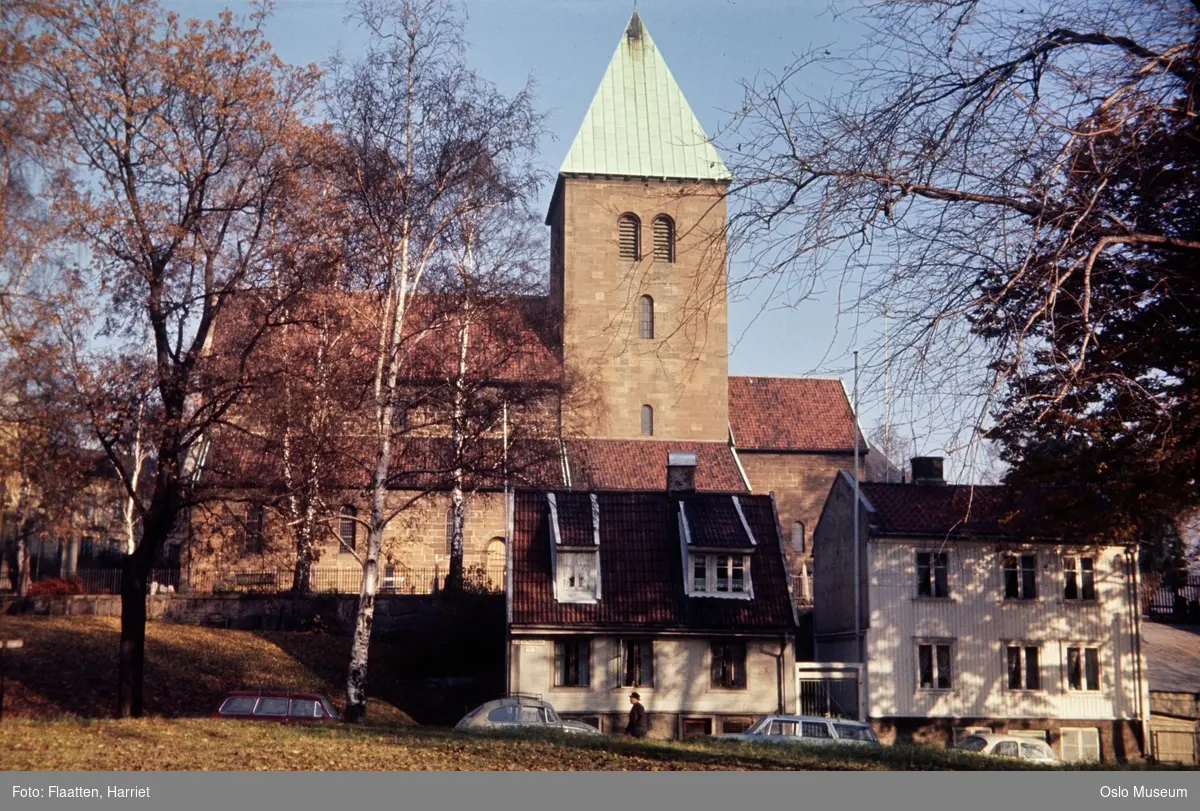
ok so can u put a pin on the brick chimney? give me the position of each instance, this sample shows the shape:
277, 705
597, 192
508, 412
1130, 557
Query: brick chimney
681, 472
927, 470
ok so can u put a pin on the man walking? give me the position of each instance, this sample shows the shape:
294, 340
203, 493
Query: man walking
638, 726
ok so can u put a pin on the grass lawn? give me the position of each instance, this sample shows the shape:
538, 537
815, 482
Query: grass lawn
60, 695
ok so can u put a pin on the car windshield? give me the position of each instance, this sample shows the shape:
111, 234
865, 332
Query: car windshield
271, 706
973, 743
329, 710
761, 727
1033, 751
238, 705
853, 732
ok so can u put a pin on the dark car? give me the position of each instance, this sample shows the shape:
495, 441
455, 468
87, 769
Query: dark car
276, 705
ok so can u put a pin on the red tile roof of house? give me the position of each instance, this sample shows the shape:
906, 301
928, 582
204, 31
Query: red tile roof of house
641, 570
790, 414
641, 464
971, 511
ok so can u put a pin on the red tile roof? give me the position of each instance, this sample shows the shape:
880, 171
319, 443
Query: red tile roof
970, 511
790, 414
641, 464
641, 570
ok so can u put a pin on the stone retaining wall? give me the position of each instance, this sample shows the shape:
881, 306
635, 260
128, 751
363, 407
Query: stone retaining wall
256, 611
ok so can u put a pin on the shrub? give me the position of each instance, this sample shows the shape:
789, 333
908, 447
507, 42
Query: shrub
57, 587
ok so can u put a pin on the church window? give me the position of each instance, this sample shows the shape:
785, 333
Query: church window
664, 239
647, 421
629, 230
646, 317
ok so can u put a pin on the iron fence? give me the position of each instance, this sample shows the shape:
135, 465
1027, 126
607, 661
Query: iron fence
1172, 603
322, 580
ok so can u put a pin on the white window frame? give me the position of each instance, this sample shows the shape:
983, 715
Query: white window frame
711, 575
622, 660
935, 644
567, 566
1076, 568
1022, 646
1021, 597
933, 554
1066, 665
1079, 733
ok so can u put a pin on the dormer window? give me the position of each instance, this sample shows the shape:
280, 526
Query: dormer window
575, 547
718, 560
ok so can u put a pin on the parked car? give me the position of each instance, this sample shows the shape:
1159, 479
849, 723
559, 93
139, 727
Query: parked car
1008, 746
806, 729
276, 705
521, 712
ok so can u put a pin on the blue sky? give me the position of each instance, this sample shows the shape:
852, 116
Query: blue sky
710, 45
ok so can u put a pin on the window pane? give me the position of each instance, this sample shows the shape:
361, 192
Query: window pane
815, 729
854, 733
271, 706
238, 705
925, 665
943, 666
646, 317
647, 421
1074, 669
1014, 668
973, 744
303, 708
1028, 577
1089, 579
1006, 748
940, 586
783, 728
699, 573
1033, 677
722, 573
1070, 580
924, 577
1011, 583
1092, 664
503, 715
739, 574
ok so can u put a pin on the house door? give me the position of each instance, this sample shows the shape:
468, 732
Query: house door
829, 690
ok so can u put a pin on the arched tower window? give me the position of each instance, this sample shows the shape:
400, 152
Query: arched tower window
647, 421
664, 239
646, 317
348, 528
629, 236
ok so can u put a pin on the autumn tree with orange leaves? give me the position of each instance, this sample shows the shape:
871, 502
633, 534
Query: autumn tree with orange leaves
184, 138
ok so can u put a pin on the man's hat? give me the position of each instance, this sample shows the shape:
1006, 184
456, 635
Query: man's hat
635, 695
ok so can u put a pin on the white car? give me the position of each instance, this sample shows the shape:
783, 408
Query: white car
1008, 746
521, 712
806, 729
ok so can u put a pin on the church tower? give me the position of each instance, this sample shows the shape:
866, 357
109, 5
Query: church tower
638, 258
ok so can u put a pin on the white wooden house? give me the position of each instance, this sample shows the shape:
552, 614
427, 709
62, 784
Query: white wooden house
975, 614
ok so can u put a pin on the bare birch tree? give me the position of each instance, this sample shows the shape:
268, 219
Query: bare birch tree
416, 126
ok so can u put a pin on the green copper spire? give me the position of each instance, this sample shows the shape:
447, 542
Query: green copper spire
640, 124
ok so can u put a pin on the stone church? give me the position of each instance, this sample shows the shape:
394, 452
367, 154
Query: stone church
637, 285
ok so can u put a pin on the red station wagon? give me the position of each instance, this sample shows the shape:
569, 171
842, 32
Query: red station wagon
276, 705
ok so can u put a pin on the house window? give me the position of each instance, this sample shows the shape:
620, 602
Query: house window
736, 725
931, 575
572, 662
1083, 669
637, 663
576, 573
696, 727
645, 317
729, 665
255, 539
798, 537
1079, 578
720, 574
1020, 577
1080, 744
629, 230
1024, 668
647, 421
348, 528
933, 666
664, 239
